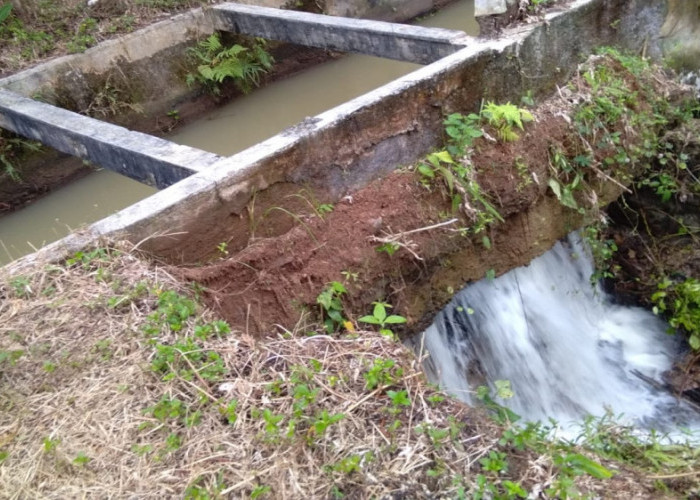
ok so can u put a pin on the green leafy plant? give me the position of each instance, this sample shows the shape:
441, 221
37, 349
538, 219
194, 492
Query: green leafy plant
464, 190
10, 356
681, 304
320, 209
462, 130
603, 251
259, 491
272, 421
663, 184
388, 248
331, 306
50, 445
380, 318
21, 287
173, 311
324, 420
501, 414
495, 462
505, 118
84, 37
90, 258
217, 63
382, 372
399, 398
562, 168
188, 360
350, 276
351, 464
81, 459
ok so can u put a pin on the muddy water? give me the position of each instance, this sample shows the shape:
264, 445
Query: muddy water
226, 131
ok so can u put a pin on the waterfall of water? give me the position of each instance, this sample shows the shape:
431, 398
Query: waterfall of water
566, 348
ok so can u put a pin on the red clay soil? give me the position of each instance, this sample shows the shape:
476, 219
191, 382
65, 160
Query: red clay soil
274, 280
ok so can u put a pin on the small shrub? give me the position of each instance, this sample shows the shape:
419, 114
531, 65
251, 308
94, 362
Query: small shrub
506, 118
217, 63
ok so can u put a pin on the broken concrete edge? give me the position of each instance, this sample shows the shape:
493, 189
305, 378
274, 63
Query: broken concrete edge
202, 206
483, 8
142, 157
402, 42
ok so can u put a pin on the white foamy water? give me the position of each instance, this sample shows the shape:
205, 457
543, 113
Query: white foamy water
566, 349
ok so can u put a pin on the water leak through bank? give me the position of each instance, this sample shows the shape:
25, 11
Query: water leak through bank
225, 131
566, 348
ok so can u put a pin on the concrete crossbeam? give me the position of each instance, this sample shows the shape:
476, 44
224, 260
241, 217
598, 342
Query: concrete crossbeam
392, 41
142, 157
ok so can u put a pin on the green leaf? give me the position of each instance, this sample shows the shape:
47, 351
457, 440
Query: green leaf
589, 466
426, 171
526, 116
5, 11
503, 389
694, 342
394, 319
338, 287
449, 177
568, 200
555, 187
335, 315
370, 319
379, 311
444, 157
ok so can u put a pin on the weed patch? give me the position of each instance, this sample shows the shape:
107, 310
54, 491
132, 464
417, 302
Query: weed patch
288, 417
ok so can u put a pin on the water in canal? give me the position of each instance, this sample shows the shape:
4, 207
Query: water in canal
225, 131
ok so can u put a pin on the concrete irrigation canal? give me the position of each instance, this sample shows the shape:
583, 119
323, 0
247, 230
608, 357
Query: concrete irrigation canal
334, 152
330, 255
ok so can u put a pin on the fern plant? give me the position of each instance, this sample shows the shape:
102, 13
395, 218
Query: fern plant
505, 118
216, 63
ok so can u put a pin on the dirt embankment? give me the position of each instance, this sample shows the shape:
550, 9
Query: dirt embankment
276, 280
298, 249
655, 228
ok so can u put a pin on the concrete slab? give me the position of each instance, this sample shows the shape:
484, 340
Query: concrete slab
142, 157
392, 41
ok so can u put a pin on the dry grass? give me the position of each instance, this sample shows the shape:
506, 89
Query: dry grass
84, 386
41, 29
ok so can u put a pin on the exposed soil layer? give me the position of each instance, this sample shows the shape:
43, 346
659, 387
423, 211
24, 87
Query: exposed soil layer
276, 279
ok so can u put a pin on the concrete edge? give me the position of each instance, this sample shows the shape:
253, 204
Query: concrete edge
141, 44
142, 157
404, 42
237, 172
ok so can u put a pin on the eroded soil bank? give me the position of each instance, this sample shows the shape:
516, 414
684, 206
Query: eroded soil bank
581, 152
655, 229
275, 280
300, 243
